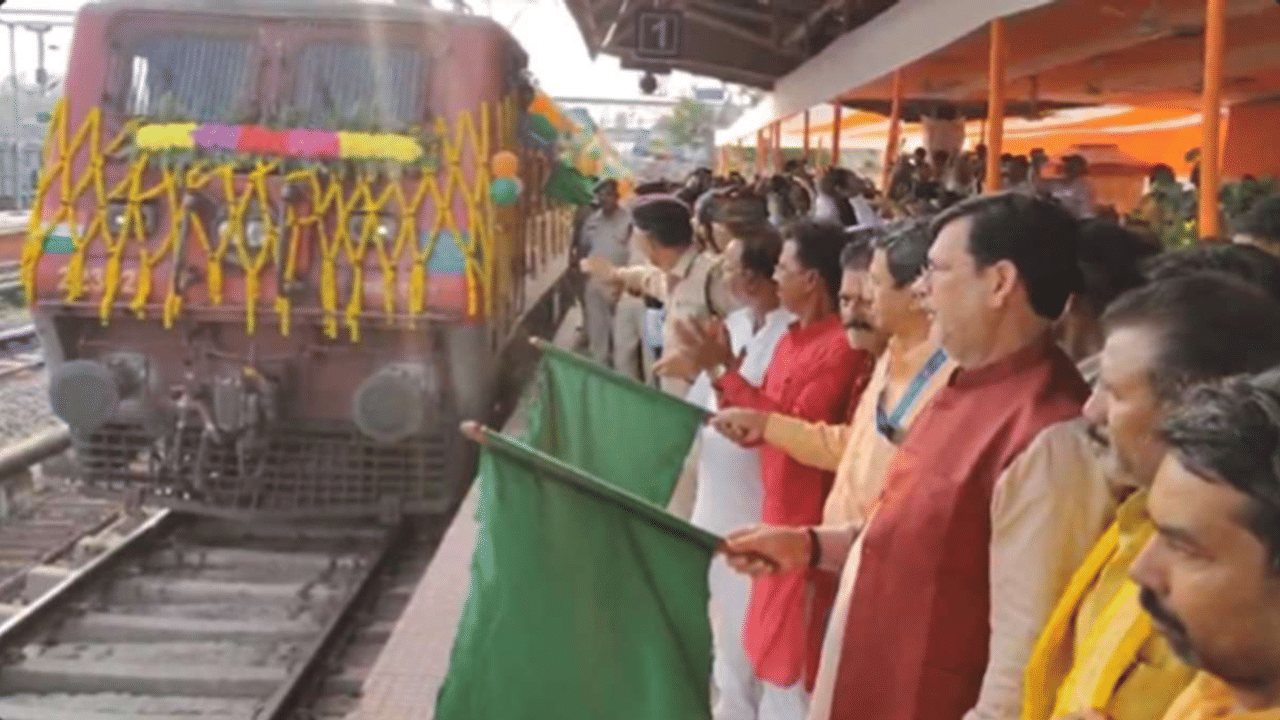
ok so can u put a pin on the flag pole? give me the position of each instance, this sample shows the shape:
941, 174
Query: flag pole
567, 474
596, 368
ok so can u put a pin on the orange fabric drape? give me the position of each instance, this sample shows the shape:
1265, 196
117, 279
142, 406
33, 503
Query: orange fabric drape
1250, 147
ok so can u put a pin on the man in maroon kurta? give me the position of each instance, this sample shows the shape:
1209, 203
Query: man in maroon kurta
812, 376
959, 501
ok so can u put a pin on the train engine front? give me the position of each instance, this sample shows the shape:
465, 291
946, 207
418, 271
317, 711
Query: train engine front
265, 262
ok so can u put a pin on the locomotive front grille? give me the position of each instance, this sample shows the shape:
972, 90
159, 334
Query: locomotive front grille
298, 472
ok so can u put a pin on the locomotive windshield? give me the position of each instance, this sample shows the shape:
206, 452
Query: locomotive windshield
347, 86
188, 77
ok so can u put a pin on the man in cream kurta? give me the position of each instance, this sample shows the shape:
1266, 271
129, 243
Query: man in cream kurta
1017, 490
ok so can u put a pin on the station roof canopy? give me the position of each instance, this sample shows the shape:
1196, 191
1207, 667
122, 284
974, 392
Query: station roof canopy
750, 42
1061, 53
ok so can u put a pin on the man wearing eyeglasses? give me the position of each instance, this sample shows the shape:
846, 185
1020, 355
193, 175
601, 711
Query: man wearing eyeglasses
905, 377
973, 538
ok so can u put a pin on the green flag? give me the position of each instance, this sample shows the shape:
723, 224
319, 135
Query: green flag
586, 602
629, 435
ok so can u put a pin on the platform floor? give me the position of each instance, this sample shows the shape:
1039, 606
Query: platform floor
406, 677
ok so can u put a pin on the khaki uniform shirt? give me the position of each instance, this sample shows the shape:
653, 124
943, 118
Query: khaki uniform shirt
694, 288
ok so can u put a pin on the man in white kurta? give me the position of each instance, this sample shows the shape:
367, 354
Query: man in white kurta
729, 493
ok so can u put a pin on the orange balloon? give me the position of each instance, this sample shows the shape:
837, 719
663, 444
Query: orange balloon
587, 165
505, 164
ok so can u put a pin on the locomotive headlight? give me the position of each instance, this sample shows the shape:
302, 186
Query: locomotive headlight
253, 235
118, 215
383, 232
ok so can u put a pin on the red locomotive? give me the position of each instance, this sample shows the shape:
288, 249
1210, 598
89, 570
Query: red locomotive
278, 248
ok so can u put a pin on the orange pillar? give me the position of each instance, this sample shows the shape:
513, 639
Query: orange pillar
995, 105
835, 134
777, 146
806, 136
1211, 114
895, 131
760, 151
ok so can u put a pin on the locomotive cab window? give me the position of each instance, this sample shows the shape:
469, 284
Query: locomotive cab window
187, 78
357, 87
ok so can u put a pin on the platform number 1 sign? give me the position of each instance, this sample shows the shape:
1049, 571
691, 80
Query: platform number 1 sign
658, 33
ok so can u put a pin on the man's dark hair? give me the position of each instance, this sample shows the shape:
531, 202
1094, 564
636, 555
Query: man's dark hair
657, 187
1262, 221
1110, 259
858, 247
1039, 237
906, 247
1210, 325
1159, 171
818, 248
1229, 432
666, 219
1249, 263
761, 246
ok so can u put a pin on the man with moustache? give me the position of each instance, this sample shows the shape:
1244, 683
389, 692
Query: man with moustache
811, 376
904, 379
1098, 653
973, 538
855, 305
1210, 575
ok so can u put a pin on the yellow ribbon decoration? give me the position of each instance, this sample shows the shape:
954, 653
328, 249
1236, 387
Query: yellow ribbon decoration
488, 260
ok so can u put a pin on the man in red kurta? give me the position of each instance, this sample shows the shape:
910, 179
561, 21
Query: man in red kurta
971, 541
812, 376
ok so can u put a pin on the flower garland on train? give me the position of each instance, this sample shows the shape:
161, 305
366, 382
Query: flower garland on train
193, 157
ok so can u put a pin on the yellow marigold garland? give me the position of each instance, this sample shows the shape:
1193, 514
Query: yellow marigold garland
477, 239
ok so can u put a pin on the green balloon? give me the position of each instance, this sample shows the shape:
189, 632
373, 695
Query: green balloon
539, 125
504, 191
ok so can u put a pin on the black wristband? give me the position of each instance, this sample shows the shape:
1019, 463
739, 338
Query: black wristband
815, 550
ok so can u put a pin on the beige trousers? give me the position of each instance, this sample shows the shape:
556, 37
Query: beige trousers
631, 355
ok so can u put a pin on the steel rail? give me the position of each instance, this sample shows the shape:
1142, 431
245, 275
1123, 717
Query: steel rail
37, 448
19, 334
281, 703
32, 615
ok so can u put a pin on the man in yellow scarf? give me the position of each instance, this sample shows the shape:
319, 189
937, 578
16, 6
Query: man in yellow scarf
1098, 651
1210, 575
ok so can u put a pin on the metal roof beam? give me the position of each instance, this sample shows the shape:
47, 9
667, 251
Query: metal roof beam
736, 31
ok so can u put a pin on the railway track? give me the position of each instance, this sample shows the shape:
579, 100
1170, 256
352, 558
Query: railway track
191, 618
194, 617
19, 350
10, 277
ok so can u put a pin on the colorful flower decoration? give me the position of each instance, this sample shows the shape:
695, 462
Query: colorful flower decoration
304, 144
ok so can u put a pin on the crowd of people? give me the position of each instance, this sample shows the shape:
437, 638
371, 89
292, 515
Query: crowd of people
1002, 461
